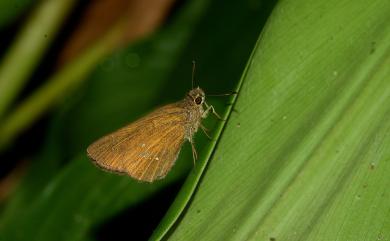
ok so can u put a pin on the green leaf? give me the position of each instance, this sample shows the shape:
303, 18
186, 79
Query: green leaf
26, 51
306, 153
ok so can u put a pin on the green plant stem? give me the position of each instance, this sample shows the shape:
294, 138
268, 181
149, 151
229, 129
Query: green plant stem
28, 48
56, 87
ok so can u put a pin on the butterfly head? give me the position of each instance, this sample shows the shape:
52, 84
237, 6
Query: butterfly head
196, 96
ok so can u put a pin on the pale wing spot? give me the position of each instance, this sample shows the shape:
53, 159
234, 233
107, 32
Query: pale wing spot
155, 159
158, 169
145, 155
150, 163
170, 155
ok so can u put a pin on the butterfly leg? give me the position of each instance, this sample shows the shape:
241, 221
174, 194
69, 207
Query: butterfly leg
211, 108
194, 153
205, 131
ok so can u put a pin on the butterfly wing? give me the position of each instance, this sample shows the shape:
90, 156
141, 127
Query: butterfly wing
146, 149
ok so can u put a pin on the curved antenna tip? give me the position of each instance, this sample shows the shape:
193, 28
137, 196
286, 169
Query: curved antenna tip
193, 74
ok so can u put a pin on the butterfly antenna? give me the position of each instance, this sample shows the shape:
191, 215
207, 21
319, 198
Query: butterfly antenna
193, 74
224, 94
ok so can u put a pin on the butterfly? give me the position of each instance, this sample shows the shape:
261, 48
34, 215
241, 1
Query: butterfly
148, 148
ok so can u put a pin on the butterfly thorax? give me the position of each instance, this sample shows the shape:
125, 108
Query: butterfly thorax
193, 103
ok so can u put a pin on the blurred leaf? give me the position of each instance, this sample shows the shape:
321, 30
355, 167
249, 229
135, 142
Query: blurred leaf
125, 86
10, 10
139, 17
27, 49
306, 153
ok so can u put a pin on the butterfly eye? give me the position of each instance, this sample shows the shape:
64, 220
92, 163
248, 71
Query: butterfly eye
198, 100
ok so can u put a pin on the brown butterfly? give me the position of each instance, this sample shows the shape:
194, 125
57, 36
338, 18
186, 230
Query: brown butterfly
148, 148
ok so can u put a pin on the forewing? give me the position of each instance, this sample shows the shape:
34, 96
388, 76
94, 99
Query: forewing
145, 149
